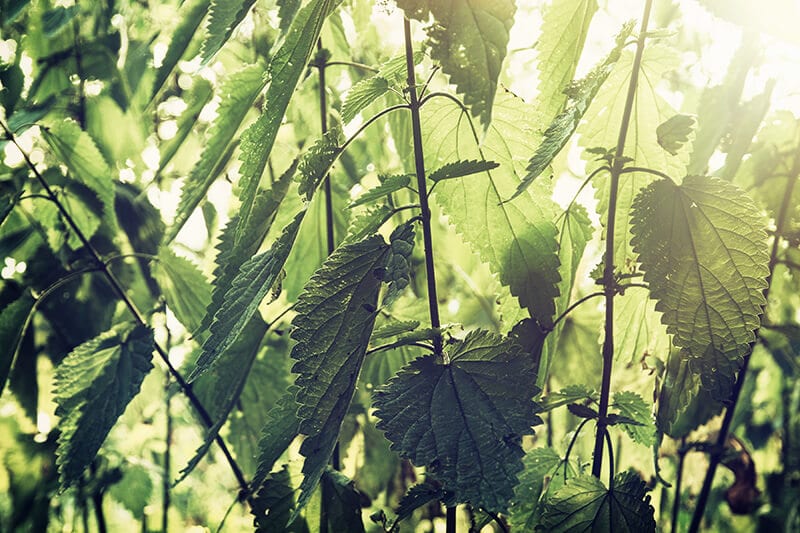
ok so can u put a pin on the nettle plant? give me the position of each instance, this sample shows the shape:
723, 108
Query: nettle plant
391, 322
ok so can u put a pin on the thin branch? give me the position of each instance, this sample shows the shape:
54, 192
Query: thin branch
645, 170
574, 305
353, 64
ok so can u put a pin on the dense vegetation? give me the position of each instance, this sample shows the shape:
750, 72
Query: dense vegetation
328, 265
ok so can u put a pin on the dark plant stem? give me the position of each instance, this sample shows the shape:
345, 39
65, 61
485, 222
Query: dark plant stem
137, 315
166, 483
718, 450
425, 216
609, 283
97, 503
79, 71
676, 501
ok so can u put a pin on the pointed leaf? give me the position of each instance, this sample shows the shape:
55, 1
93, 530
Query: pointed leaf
585, 504
317, 161
238, 92
418, 496
581, 94
632, 406
93, 386
361, 95
541, 465
398, 264
394, 328
470, 40
517, 239
280, 429
703, 248
191, 14
13, 320
225, 16
459, 169
472, 411
334, 321
248, 288
186, 290
683, 403
368, 222
675, 132
343, 502
389, 184
274, 503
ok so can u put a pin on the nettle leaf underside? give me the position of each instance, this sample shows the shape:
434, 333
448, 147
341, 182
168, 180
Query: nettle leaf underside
92, 387
703, 248
334, 321
472, 411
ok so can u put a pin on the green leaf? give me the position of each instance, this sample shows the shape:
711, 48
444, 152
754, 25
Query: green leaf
334, 321
632, 406
569, 394
343, 502
394, 328
274, 503
641, 332
683, 403
280, 429
54, 20
585, 504
186, 290
565, 25
248, 288
134, 490
543, 468
469, 40
472, 411
580, 94
285, 69
398, 264
92, 387
191, 14
418, 496
675, 132
704, 252
459, 169
389, 184
368, 222
13, 321
517, 239
238, 92
361, 95
76, 149
225, 16
317, 161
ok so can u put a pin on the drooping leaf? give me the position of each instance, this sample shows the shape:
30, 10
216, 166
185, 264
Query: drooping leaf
585, 504
458, 169
274, 503
186, 290
418, 496
248, 288
368, 222
565, 25
469, 40
394, 328
473, 410
93, 386
581, 94
363, 94
398, 263
280, 429
191, 14
569, 394
76, 149
704, 252
225, 16
632, 406
317, 161
231, 254
343, 502
675, 132
334, 321
285, 69
389, 184
518, 238
238, 92
13, 319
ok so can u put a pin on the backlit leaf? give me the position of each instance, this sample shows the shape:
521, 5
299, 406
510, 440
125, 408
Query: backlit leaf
459, 169
633, 406
675, 132
361, 95
389, 184
93, 386
473, 411
13, 319
225, 16
186, 290
190, 16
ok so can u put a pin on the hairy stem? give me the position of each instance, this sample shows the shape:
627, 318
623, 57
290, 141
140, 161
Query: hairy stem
425, 212
137, 315
609, 283
718, 449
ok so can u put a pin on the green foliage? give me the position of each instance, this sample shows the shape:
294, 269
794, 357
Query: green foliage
225, 16
459, 169
274, 504
704, 253
13, 320
470, 42
675, 132
432, 413
398, 262
186, 290
340, 495
541, 465
585, 504
637, 419
335, 317
93, 386
192, 14
389, 184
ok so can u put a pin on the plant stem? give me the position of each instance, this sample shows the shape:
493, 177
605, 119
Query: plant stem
676, 501
718, 449
166, 483
137, 315
609, 282
425, 212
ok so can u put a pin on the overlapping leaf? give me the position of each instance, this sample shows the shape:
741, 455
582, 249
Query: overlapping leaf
469, 39
633, 407
274, 503
334, 321
585, 504
518, 238
13, 319
225, 16
190, 15
543, 473
186, 290
472, 411
93, 386
389, 184
703, 248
